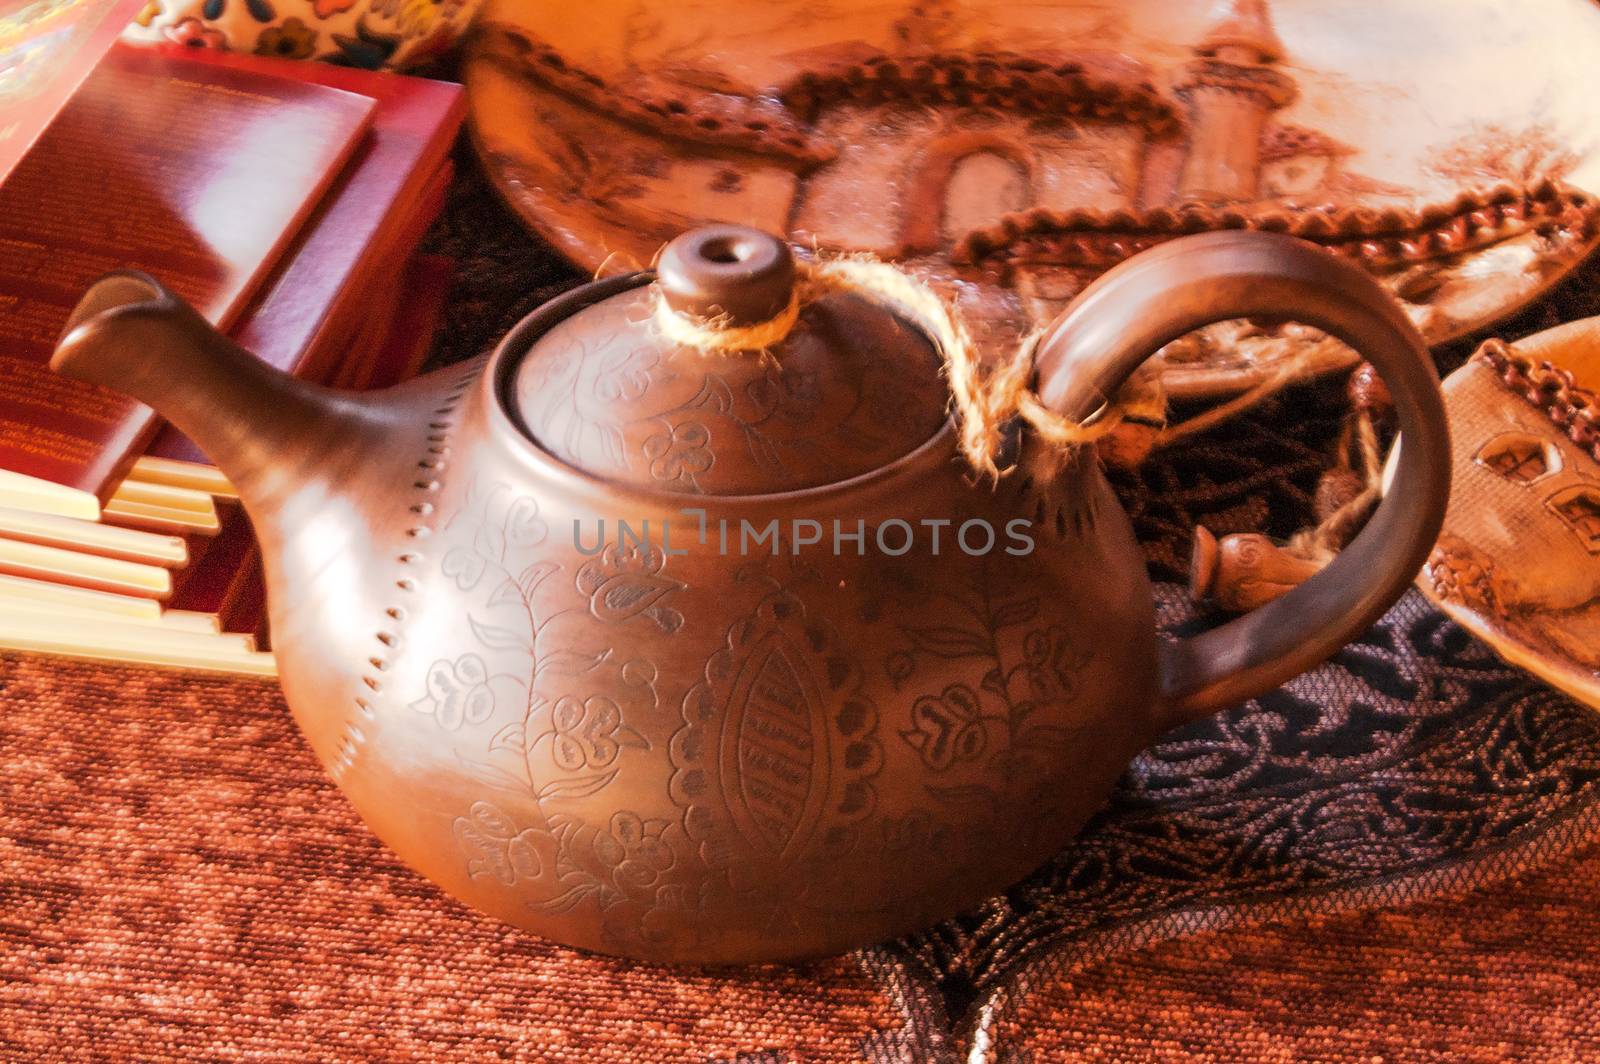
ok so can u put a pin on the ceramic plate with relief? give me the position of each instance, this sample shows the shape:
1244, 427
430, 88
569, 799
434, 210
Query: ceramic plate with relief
1518, 561
1016, 149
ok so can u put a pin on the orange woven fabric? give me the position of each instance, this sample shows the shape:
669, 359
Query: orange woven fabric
1502, 974
179, 881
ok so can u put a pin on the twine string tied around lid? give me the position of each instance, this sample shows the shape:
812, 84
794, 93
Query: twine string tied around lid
988, 395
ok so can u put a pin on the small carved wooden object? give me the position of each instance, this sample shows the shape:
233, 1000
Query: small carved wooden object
663, 646
1369, 394
1245, 570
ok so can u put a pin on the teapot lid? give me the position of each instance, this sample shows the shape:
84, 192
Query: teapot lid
730, 373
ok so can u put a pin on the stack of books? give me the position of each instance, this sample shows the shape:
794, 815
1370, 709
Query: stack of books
286, 201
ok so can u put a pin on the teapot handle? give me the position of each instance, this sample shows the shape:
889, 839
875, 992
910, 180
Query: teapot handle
1131, 311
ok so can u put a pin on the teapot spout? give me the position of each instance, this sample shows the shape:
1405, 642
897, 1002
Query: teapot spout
265, 430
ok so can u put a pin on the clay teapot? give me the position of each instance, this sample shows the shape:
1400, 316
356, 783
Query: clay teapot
713, 655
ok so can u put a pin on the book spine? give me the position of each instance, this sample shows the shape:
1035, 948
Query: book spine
83, 570
196, 476
94, 538
49, 594
133, 644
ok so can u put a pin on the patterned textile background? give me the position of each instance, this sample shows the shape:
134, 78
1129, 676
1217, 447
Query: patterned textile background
1391, 858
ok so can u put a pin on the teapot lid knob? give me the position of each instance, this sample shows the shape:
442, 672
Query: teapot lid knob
730, 272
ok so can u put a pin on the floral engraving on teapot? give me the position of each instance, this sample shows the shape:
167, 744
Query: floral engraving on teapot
459, 692
520, 529
436, 452
494, 847
587, 733
778, 748
626, 867
579, 388
571, 739
984, 742
948, 728
576, 696
625, 580
679, 451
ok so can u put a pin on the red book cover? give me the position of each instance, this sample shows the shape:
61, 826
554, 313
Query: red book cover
47, 48
198, 174
363, 342
389, 299
413, 126
309, 311
203, 585
400, 247
244, 608
416, 323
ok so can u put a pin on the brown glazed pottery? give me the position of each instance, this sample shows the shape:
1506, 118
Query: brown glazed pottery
1016, 150
1518, 560
814, 684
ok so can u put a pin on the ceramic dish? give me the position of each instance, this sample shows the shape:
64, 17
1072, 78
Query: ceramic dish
1019, 149
1518, 560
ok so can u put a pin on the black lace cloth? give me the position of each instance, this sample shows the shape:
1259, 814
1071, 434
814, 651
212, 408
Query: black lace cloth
1412, 762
